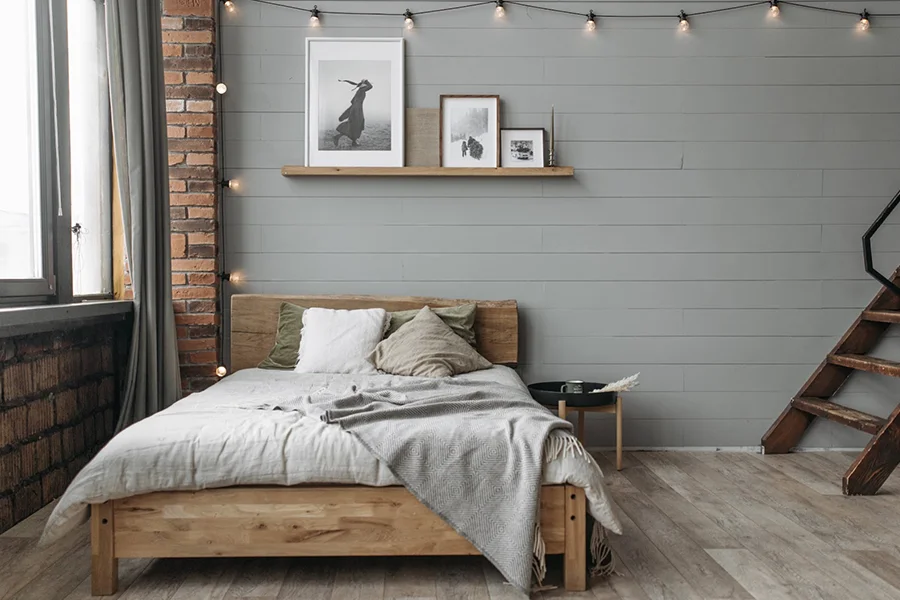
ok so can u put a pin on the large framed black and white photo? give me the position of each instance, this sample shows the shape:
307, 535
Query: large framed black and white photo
522, 147
354, 102
470, 131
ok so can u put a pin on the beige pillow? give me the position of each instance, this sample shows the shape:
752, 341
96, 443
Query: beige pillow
461, 320
427, 347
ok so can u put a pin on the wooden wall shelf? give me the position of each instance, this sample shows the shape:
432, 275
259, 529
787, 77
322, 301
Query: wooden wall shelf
297, 171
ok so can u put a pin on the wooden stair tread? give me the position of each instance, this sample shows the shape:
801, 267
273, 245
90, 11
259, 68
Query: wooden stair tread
840, 414
882, 316
882, 455
866, 363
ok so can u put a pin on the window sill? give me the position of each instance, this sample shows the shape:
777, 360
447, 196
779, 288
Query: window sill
38, 319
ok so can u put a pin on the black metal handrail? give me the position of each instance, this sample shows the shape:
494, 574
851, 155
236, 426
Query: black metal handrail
867, 245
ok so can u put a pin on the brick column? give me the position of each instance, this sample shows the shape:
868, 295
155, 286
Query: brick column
189, 50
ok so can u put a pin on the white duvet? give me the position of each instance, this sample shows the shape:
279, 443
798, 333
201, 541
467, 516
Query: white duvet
207, 440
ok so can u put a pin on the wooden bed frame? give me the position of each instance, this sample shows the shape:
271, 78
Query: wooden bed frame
317, 520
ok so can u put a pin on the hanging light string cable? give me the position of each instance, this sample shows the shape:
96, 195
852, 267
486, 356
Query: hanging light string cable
713, 11
825, 9
315, 10
220, 204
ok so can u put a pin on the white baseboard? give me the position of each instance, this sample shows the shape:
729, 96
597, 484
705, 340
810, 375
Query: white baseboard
749, 449
745, 449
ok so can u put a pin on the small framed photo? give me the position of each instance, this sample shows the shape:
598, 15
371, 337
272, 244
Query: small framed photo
522, 148
470, 131
354, 102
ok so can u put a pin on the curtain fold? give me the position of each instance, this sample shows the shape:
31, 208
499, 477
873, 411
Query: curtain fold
137, 107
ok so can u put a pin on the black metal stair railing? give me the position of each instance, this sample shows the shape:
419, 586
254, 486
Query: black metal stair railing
867, 246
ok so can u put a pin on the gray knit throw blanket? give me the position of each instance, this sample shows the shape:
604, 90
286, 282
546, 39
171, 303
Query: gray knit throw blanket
472, 453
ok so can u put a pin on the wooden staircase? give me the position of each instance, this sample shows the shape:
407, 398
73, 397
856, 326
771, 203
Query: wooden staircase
871, 468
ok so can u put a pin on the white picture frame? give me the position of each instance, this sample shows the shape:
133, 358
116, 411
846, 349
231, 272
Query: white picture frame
470, 131
522, 148
354, 102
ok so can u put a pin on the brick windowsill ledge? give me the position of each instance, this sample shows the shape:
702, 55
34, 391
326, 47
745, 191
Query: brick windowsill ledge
27, 320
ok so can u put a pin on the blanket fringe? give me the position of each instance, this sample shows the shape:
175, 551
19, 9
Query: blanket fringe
601, 553
560, 444
539, 555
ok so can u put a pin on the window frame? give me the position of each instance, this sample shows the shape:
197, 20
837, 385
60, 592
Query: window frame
55, 286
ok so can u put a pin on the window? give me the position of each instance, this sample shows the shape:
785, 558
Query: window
23, 252
55, 234
90, 153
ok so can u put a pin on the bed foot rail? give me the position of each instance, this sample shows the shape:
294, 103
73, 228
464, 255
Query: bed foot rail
575, 561
104, 564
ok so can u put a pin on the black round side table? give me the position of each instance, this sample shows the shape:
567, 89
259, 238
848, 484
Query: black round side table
549, 393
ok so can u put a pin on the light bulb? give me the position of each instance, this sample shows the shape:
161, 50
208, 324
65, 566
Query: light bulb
864, 21
499, 12
591, 24
221, 371
314, 16
774, 9
235, 278
233, 184
408, 21
683, 23
229, 5
221, 88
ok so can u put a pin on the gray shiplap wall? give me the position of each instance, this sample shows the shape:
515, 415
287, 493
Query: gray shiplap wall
710, 238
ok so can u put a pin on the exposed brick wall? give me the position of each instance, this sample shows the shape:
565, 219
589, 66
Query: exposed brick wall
188, 49
58, 406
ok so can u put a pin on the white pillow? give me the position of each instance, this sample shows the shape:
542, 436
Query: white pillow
340, 341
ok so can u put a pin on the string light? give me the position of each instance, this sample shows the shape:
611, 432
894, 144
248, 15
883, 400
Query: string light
232, 184
221, 88
864, 21
500, 11
221, 371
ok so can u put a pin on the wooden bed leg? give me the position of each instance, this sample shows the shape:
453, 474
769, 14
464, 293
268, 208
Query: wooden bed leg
104, 564
575, 561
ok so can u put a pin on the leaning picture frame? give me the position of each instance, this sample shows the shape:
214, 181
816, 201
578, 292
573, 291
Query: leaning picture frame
523, 147
354, 102
469, 134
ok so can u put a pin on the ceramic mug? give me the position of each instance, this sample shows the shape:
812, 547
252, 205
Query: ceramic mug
572, 387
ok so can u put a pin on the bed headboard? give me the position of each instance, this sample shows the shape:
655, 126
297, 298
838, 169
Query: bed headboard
254, 318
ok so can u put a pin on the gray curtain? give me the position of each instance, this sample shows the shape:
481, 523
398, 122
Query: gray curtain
137, 106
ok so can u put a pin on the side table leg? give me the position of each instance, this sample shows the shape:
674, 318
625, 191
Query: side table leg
580, 435
562, 409
619, 433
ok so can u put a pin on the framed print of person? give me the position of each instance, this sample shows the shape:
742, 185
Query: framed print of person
523, 147
470, 131
354, 102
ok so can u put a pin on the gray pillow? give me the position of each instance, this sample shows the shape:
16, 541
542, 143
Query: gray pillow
461, 320
283, 354
427, 347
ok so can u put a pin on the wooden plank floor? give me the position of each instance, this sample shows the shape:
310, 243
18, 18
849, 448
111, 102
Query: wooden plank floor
697, 526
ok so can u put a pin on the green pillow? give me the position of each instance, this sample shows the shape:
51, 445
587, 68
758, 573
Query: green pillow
461, 320
283, 354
